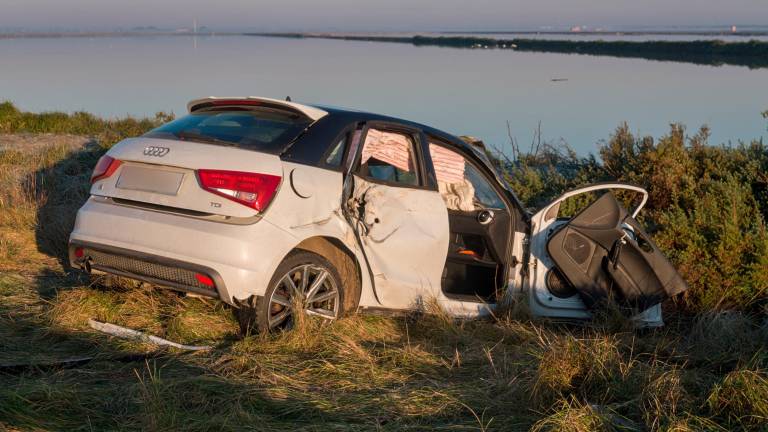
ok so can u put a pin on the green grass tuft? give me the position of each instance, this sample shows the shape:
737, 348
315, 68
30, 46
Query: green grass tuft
742, 398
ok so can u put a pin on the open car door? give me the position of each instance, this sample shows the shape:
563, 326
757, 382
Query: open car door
401, 225
601, 254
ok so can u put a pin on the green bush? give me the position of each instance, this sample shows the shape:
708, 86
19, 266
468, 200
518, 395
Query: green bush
107, 131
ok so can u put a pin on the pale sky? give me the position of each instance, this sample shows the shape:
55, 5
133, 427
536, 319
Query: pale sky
362, 15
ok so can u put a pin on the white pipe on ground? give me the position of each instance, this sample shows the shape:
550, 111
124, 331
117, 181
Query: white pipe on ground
126, 333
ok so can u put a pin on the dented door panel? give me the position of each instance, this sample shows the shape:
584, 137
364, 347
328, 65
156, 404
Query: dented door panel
404, 233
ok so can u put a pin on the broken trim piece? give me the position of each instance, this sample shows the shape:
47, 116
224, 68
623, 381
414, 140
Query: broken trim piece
126, 333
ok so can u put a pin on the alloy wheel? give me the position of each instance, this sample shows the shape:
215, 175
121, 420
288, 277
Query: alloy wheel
308, 289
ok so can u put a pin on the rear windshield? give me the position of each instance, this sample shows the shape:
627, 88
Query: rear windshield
253, 129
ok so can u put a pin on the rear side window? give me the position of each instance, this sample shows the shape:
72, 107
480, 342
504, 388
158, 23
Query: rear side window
264, 129
389, 157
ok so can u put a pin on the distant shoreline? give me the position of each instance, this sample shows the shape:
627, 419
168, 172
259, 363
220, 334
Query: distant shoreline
752, 54
712, 52
745, 34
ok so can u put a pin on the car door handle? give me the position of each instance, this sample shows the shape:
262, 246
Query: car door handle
485, 217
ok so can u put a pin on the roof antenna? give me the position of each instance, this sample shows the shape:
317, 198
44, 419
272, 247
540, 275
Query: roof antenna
287, 98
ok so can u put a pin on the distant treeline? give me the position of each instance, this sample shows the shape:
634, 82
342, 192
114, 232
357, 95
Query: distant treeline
753, 54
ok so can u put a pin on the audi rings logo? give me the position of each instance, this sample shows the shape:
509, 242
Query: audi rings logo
156, 151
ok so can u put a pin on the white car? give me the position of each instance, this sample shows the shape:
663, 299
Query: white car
279, 208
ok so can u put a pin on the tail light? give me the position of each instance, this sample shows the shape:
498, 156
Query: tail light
105, 167
250, 189
205, 280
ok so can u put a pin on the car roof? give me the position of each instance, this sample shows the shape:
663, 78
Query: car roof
351, 115
316, 112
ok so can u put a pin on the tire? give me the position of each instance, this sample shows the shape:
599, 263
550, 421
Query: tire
301, 272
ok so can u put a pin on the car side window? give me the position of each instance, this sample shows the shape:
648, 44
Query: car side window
389, 157
336, 156
462, 185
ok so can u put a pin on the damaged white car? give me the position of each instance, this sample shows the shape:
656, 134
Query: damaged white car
279, 208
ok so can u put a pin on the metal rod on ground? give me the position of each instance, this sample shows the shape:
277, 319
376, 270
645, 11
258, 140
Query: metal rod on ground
126, 333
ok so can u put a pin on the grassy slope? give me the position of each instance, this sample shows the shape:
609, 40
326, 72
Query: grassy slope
706, 371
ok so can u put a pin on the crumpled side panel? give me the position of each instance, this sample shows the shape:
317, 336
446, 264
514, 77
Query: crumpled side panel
404, 232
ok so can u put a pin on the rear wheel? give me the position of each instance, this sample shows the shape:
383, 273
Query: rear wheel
304, 284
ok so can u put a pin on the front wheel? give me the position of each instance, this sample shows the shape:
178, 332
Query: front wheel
304, 284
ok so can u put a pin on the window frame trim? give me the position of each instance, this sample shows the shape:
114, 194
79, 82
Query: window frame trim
347, 131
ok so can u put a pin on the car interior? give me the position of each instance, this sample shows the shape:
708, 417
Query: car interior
479, 224
478, 219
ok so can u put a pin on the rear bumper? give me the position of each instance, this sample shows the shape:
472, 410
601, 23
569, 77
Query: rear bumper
167, 249
154, 269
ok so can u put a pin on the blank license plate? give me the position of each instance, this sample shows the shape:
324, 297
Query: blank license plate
150, 180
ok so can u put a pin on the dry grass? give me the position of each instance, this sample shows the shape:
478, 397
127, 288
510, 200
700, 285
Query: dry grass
584, 362
742, 397
665, 397
724, 338
575, 416
359, 373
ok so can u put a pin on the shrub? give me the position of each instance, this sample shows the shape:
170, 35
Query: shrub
107, 131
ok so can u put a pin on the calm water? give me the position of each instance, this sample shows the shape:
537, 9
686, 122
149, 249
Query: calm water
462, 91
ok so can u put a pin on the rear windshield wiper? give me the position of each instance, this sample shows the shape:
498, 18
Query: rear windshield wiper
191, 136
